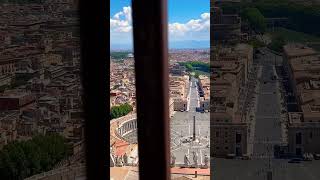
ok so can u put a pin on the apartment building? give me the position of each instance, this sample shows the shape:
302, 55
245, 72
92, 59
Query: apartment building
303, 67
179, 88
229, 131
226, 28
204, 90
177, 70
8, 127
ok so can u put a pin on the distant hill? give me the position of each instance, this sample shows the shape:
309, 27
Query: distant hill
190, 44
121, 47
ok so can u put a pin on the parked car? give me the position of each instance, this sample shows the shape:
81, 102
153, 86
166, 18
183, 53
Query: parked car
245, 158
295, 160
316, 156
231, 156
307, 157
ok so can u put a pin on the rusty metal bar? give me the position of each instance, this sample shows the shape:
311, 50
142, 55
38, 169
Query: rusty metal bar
151, 68
94, 28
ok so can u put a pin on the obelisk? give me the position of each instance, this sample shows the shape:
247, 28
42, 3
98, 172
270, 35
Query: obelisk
194, 128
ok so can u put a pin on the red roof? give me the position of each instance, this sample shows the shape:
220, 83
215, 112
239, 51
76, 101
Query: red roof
120, 147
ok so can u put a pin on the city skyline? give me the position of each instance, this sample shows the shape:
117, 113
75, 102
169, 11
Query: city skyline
188, 25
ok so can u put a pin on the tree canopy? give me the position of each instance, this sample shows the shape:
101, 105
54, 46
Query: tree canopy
196, 65
19, 160
302, 18
122, 110
277, 43
255, 18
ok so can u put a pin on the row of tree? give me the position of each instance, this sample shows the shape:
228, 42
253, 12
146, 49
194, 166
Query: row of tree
119, 55
121, 110
19, 160
277, 43
302, 18
196, 65
255, 19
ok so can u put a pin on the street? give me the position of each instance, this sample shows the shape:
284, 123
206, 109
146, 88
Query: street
269, 131
182, 128
267, 123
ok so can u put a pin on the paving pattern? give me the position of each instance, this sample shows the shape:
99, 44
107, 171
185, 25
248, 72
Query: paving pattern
268, 132
182, 131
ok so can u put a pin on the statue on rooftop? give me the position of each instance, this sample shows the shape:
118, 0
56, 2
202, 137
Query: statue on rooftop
206, 160
195, 158
186, 160
125, 159
173, 160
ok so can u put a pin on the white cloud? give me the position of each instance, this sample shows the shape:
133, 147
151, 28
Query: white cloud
205, 16
194, 29
121, 21
191, 29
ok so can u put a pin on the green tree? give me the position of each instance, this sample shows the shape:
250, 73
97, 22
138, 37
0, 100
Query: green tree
189, 67
277, 43
19, 160
301, 17
118, 111
256, 20
196, 74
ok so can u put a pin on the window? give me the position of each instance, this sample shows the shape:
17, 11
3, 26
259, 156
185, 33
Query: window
217, 134
298, 138
238, 138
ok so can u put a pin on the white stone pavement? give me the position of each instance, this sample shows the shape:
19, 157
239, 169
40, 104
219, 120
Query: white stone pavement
283, 117
253, 111
189, 93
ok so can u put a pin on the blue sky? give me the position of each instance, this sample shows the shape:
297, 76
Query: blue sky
188, 21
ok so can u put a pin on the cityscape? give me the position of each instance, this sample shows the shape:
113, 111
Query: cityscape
244, 90
41, 114
189, 94
189, 111
264, 82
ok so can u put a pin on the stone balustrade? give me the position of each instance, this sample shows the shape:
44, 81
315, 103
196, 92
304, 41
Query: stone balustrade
64, 173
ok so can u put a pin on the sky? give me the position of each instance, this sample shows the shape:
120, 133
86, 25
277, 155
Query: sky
189, 23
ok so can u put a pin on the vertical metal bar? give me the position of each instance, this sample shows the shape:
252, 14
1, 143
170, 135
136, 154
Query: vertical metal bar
151, 68
194, 128
94, 29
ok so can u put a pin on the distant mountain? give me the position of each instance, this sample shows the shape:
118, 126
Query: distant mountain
116, 47
190, 44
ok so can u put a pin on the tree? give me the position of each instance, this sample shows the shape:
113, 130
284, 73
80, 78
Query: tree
118, 111
19, 160
196, 74
189, 67
256, 20
277, 43
196, 65
301, 17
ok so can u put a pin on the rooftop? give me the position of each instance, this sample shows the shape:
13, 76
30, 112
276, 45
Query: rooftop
296, 50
